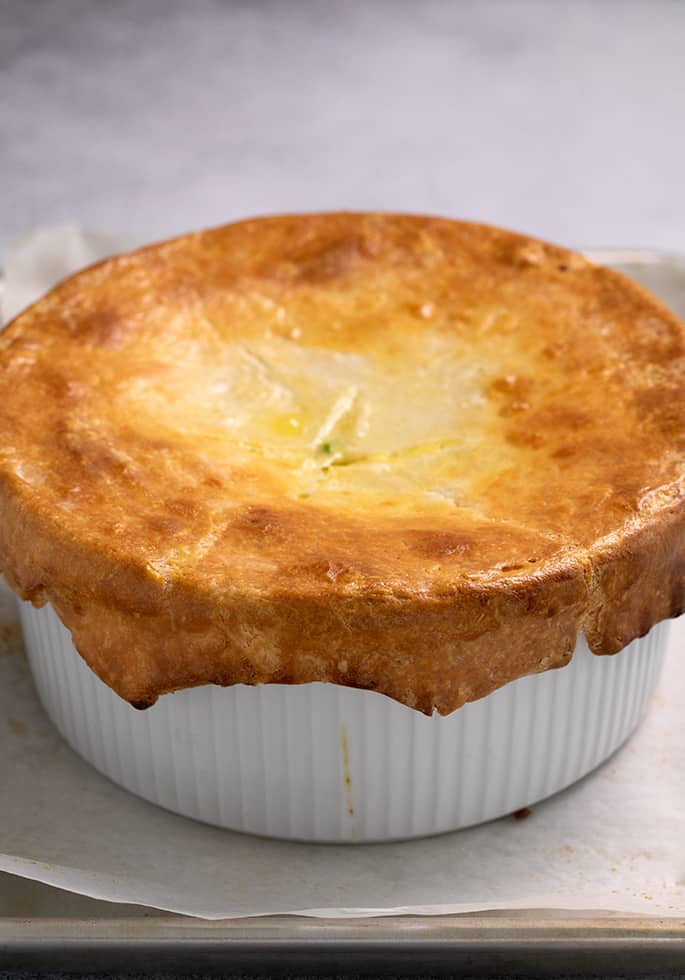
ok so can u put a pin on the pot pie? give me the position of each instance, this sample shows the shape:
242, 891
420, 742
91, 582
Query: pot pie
405, 454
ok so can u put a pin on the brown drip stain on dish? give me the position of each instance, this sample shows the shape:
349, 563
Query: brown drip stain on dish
522, 814
345, 748
10, 640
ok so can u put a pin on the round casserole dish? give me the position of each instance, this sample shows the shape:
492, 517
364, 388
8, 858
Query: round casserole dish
355, 470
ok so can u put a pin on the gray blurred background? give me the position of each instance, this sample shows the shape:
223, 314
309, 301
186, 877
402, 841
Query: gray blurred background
565, 120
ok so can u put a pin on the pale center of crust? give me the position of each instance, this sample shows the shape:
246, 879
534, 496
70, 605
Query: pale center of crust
403, 423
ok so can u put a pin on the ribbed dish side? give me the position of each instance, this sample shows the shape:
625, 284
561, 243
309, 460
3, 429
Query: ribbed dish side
321, 762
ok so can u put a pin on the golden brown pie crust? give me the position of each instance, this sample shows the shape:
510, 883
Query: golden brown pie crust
181, 546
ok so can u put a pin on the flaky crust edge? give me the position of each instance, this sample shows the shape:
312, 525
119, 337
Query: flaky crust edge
430, 652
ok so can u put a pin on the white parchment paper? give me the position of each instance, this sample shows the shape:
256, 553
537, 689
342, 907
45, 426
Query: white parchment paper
614, 841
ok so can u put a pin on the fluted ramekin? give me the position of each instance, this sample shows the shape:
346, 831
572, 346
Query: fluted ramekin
319, 762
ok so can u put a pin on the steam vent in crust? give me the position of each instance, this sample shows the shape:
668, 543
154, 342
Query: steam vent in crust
405, 454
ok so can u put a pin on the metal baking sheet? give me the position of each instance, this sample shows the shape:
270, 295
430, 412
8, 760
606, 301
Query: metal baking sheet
44, 929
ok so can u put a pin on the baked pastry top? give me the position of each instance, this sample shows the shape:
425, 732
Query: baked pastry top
400, 453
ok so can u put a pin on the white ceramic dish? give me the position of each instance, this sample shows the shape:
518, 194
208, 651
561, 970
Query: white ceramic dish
326, 763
